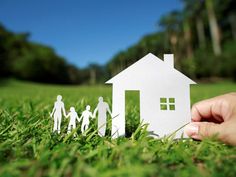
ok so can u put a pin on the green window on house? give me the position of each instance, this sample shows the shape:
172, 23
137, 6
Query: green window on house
167, 104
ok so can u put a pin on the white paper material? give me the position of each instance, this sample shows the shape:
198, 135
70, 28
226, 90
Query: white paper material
102, 109
56, 113
164, 95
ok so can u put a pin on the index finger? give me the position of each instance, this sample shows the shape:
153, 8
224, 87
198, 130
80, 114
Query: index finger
213, 109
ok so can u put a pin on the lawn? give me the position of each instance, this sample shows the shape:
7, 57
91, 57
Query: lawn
29, 148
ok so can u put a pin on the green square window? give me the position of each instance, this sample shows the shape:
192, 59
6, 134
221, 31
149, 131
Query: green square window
163, 107
171, 100
171, 107
163, 100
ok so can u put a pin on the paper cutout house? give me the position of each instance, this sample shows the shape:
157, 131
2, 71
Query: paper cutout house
164, 95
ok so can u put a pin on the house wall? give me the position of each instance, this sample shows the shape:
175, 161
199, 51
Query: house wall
163, 122
118, 111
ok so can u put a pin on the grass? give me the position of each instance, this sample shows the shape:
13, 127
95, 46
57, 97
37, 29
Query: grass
29, 148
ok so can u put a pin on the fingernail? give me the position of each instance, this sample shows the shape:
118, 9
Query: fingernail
191, 129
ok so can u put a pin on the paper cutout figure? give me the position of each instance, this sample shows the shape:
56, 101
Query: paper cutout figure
102, 109
73, 117
85, 116
57, 114
164, 95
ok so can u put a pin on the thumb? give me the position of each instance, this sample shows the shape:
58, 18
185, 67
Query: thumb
200, 130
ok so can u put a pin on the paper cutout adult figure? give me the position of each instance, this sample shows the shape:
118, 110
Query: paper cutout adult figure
85, 116
57, 114
73, 116
102, 109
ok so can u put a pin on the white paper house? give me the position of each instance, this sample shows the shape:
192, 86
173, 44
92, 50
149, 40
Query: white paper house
164, 95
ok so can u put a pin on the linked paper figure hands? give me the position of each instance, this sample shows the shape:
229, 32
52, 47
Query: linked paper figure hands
57, 114
102, 109
73, 117
85, 117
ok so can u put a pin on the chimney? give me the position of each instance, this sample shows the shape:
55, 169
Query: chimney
169, 60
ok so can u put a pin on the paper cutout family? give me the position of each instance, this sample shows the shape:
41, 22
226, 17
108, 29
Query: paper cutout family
59, 108
164, 99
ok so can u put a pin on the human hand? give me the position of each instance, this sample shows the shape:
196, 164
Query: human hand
214, 117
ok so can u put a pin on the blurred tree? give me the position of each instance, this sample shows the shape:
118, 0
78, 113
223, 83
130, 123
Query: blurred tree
26, 60
186, 34
97, 73
226, 14
93, 77
3, 49
153, 43
232, 21
214, 27
171, 24
195, 11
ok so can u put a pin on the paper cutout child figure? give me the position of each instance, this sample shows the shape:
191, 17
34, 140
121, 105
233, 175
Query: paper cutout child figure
85, 116
73, 116
102, 109
57, 114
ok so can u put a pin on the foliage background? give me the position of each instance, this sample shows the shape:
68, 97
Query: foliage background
201, 36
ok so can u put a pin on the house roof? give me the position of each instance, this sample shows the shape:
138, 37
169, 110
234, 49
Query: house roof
151, 66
